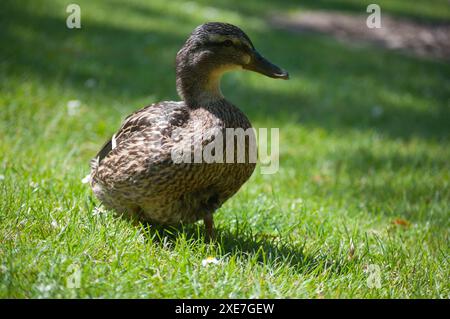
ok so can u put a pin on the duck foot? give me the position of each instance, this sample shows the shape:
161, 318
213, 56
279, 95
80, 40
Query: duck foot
209, 227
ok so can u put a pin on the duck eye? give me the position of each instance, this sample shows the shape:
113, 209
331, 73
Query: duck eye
228, 43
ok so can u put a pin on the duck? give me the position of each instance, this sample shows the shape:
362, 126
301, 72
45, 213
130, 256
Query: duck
138, 174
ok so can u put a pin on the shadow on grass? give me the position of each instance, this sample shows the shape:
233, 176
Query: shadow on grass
123, 61
266, 249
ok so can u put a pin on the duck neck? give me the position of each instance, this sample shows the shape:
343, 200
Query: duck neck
199, 87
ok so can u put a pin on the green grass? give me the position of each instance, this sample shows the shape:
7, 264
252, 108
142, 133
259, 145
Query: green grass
346, 173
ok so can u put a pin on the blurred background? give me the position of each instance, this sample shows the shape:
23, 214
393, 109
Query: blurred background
344, 75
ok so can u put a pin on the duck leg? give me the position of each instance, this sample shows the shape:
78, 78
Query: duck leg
209, 226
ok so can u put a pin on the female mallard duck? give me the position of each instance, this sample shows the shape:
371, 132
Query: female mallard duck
135, 172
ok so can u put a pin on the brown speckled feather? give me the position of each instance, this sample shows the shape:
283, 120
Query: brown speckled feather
138, 175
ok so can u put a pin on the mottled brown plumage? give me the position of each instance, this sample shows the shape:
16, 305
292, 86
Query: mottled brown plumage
135, 173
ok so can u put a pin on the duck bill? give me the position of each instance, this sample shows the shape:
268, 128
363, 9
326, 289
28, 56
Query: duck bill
261, 65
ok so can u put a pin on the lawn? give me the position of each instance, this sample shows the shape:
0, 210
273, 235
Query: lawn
358, 209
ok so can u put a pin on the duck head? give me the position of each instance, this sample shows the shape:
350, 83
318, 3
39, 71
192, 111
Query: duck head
212, 49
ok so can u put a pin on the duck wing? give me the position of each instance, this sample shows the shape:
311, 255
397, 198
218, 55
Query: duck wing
160, 119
